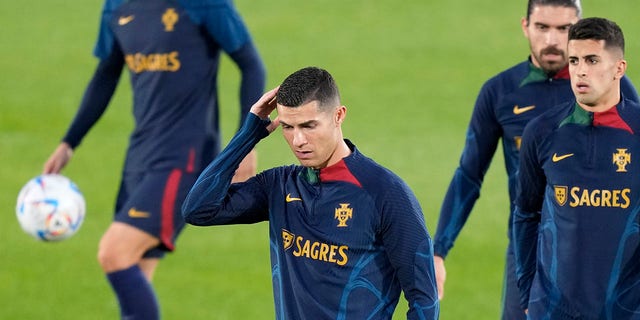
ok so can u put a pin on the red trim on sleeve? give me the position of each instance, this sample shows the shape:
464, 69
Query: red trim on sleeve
338, 172
168, 208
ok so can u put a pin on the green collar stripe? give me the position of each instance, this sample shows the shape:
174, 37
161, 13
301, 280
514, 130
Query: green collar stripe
535, 75
578, 116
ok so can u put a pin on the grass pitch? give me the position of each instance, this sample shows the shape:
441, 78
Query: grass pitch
409, 72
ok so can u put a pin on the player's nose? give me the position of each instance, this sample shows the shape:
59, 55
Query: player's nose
299, 138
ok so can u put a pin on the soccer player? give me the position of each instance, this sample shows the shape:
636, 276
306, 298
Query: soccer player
346, 234
576, 220
172, 50
505, 104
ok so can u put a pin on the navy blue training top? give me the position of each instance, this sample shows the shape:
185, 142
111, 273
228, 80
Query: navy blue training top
576, 234
172, 53
345, 240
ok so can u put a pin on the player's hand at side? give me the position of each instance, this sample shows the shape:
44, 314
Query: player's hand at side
441, 275
265, 106
58, 159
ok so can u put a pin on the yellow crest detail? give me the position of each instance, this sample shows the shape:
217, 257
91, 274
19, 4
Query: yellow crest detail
343, 214
561, 194
287, 239
169, 19
621, 159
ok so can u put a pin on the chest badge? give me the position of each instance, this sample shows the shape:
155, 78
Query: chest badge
169, 19
343, 214
621, 159
561, 194
287, 239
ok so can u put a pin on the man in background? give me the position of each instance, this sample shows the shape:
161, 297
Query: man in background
505, 104
172, 51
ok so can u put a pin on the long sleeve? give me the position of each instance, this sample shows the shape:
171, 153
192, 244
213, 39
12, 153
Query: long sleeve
409, 248
96, 97
482, 138
213, 200
530, 195
525, 235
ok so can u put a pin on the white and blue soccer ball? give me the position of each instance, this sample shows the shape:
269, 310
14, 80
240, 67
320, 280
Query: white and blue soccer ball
50, 207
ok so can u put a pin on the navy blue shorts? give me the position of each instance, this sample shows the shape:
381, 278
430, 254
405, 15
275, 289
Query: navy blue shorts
151, 202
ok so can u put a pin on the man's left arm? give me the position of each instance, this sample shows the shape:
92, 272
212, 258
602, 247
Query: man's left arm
410, 251
224, 24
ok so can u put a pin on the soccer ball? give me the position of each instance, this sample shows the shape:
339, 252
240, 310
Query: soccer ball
50, 207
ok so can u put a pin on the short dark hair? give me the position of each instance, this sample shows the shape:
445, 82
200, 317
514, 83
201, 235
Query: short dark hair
306, 85
598, 29
555, 3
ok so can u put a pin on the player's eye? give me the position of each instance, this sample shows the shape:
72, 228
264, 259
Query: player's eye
542, 27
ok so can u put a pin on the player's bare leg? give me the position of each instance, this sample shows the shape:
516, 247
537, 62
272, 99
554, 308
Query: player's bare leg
148, 266
122, 246
120, 255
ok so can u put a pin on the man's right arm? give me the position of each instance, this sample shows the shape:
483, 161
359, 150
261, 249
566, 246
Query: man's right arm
213, 200
483, 135
96, 97
94, 102
526, 218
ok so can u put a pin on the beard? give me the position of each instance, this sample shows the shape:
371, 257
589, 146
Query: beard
551, 67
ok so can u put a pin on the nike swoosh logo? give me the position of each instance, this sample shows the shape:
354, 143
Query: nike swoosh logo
557, 158
290, 199
133, 213
124, 20
518, 110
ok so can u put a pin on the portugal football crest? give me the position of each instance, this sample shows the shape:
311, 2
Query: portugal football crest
621, 159
343, 214
169, 19
561, 194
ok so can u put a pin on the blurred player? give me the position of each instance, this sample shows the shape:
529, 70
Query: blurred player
505, 104
578, 201
347, 235
172, 51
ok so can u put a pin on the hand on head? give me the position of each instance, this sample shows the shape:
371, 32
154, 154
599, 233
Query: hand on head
265, 106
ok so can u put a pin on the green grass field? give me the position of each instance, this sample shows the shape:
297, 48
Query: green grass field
408, 71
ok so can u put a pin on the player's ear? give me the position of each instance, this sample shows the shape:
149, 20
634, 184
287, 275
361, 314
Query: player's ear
621, 68
524, 23
340, 114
